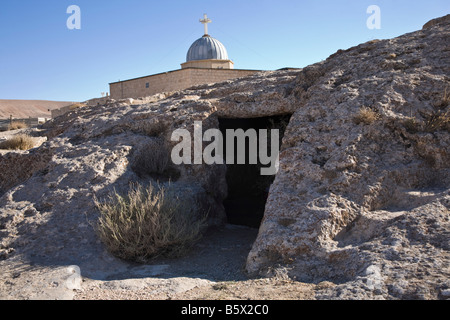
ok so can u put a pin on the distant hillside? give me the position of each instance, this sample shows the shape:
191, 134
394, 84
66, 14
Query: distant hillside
29, 108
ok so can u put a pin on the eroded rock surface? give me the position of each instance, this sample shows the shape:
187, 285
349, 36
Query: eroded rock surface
352, 195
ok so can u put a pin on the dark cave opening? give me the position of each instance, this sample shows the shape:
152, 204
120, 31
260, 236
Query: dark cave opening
247, 188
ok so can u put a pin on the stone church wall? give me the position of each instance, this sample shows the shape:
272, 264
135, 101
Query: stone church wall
172, 81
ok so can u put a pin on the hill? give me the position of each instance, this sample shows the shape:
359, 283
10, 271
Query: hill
29, 108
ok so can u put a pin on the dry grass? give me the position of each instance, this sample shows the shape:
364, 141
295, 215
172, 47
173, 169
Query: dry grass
18, 142
147, 223
16, 125
439, 118
437, 121
366, 116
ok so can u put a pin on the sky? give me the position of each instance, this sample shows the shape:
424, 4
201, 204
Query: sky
42, 59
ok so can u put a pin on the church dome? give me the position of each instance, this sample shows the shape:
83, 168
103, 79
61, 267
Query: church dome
207, 48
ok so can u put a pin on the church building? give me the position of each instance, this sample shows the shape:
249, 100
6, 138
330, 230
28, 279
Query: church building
206, 62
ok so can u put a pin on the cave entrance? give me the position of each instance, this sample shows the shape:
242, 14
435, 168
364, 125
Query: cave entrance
247, 188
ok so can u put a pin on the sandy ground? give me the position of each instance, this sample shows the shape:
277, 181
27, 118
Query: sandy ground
213, 270
29, 108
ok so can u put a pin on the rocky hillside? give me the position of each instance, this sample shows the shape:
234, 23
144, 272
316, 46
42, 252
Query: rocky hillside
361, 198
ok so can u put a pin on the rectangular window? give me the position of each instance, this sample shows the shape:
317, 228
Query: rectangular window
147, 85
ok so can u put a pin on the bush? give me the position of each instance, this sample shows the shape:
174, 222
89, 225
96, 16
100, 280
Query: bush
153, 159
16, 125
366, 116
18, 142
437, 121
147, 223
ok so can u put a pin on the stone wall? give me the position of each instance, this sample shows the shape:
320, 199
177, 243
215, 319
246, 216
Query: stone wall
97, 101
64, 110
172, 81
208, 64
91, 103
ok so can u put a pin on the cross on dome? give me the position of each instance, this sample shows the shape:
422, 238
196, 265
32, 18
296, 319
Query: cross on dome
205, 22
207, 48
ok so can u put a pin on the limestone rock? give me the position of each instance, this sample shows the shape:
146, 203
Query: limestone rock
371, 190
437, 21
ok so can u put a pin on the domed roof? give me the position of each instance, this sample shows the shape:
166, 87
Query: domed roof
207, 48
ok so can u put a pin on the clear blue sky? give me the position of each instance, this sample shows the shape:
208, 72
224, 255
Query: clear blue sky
40, 58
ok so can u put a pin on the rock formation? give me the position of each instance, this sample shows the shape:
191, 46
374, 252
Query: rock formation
361, 197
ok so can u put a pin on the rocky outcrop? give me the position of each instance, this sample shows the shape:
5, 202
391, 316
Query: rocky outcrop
17, 167
361, 197
353, 197
441, 20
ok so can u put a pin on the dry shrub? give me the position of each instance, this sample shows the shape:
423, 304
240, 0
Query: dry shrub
444, 102
279, 273
153, 129
147, 223
366, 116
16, 125
18, 142
439, 118
152, 159
437, 121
